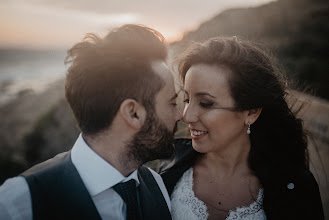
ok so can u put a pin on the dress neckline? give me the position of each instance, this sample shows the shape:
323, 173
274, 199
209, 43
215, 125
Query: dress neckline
234, 213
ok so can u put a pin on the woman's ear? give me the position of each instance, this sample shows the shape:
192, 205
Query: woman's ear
132, 113
252, 115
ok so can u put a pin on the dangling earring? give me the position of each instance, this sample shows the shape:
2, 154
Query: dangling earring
248, 130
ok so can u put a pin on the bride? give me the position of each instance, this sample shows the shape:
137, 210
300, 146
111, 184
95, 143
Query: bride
248, 155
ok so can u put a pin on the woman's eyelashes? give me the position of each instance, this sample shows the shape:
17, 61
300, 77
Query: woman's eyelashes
202, 104
206, 104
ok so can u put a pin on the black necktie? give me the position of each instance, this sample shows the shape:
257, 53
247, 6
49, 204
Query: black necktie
128, 193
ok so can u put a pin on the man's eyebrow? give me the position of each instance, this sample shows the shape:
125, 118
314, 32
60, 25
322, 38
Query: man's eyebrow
174, 97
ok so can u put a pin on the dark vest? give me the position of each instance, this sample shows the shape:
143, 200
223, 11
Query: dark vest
58, 192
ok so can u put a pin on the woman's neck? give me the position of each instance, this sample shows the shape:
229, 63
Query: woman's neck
224, 164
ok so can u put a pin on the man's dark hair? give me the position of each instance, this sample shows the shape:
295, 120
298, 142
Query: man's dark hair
106, 71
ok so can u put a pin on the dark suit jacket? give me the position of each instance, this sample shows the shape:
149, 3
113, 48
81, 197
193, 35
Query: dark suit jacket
301, 202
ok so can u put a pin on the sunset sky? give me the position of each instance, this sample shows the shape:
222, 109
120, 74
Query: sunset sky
43, 24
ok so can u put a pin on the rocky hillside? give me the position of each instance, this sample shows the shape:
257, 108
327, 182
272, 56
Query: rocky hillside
33, 128
296, 31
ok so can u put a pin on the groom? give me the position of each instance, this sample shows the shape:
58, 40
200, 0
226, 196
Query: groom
123, 98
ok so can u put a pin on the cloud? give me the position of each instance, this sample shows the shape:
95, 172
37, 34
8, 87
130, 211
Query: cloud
42, 25
36, 22
148, 6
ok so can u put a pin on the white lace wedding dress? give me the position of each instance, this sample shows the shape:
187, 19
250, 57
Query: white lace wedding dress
185, 205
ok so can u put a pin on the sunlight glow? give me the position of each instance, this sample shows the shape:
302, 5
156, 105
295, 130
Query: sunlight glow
36, 23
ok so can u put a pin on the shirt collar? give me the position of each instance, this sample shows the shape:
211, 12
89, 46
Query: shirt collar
97, 174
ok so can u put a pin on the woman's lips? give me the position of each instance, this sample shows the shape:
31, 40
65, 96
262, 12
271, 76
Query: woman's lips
197, 134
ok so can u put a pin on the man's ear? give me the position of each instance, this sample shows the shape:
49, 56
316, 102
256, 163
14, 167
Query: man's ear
252, 115
132, 113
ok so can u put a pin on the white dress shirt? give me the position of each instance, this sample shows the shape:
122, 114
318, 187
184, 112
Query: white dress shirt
98, 176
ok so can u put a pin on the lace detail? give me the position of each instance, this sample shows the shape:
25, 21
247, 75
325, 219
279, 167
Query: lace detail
253, 211
185, 205
183, 200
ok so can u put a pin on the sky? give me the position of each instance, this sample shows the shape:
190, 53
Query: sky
58, 24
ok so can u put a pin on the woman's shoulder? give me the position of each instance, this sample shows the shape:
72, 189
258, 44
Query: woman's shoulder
311, 188
295, 196
308, 178
305, 182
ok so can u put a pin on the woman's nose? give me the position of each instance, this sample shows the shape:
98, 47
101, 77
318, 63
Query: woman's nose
190, 115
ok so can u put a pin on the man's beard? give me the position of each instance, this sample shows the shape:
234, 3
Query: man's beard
153, 141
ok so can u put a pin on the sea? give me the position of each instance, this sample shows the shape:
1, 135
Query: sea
23, 71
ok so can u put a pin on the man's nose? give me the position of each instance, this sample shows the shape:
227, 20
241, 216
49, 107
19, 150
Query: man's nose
179, 115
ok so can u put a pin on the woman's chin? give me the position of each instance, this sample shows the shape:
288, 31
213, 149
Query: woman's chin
198, 147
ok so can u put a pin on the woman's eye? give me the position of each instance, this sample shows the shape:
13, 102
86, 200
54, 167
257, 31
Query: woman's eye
186, 101
174, 104
206, 104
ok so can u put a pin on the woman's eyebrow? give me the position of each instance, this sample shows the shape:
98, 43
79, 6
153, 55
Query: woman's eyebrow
204, 93
201, 94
